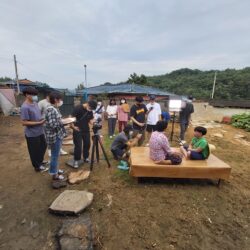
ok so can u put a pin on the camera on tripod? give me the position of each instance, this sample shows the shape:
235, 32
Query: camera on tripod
97, 125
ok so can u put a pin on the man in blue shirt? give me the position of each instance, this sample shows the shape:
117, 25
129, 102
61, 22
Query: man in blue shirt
34, 133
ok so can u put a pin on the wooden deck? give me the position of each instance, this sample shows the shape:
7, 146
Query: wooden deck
143, 166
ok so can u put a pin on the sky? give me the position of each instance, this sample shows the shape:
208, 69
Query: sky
53, 40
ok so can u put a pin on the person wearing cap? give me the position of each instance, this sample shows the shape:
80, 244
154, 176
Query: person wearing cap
34, 132
185, 117
122, 143
81, 131
138, 116
154, 115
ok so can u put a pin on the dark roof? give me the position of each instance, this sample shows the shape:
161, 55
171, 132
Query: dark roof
125, 88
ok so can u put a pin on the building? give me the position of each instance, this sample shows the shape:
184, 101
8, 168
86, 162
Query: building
127, 90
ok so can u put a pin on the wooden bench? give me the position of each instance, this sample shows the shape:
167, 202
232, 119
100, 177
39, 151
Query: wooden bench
212, 168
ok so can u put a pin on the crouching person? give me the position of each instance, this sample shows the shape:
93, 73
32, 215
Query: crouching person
160, 151
199, 148
55, 133
121, 145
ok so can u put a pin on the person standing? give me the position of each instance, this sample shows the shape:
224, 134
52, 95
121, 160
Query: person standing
43, 105
55, 132
138, 116
112, 117
81, 134
34, 132
154, 115
122, 111
185, 117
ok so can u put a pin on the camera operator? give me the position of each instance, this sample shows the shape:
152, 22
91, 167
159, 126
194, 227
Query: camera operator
154, 115
81, 133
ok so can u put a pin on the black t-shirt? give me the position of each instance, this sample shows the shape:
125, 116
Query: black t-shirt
139, 113
186, 112
83, 116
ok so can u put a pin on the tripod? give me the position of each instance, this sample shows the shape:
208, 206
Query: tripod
95, 150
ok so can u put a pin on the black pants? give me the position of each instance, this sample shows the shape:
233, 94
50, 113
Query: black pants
183, 129
37, 147
80, 138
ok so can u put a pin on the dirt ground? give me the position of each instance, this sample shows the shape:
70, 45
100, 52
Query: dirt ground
166, 214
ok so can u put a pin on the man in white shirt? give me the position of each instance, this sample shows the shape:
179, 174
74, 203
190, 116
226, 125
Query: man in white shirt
43, 105
154, 115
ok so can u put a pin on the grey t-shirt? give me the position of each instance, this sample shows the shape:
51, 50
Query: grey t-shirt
31, 112
43, 105
119, 141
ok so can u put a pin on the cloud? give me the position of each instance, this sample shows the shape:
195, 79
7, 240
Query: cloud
54, 39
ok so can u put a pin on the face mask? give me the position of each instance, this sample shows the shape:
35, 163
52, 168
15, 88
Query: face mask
99, 103
60, 103
35, 98
122, 101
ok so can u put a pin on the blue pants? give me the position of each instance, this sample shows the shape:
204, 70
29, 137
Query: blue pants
195, 155
55, 152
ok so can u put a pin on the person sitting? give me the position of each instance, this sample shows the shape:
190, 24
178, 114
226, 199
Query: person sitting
160, 151
199, 148
122, 144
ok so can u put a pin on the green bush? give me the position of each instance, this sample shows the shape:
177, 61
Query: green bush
241, 121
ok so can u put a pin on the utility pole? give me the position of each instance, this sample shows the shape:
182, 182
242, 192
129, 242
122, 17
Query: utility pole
85, 83
17, 81
212, 96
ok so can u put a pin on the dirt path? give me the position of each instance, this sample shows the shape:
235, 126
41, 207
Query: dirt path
168, 214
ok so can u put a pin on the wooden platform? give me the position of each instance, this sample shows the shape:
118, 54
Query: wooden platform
143, 166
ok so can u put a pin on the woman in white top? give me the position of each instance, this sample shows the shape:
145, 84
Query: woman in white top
112, 117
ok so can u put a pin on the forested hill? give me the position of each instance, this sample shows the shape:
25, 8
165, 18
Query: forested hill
231, 84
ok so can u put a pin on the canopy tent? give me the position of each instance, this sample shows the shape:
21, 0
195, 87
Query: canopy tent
7, 100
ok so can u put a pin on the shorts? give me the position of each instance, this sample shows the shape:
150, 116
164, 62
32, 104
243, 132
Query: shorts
151, 128
118, 153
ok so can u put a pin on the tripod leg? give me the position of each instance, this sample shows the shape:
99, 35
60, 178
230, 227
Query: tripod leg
97, 150
92, 154
104, 153
172, 132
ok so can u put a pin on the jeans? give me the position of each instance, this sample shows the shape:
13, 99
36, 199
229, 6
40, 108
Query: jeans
37, 148
111, 125
183, 129
82, 145
55, 152
121, 125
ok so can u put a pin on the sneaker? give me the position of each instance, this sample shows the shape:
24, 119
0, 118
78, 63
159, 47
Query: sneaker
60, 171
113, 135
45, 163
62, 152
123, 163
121, 167
49, 152
76, 164
110, 137
87, 160
41, 169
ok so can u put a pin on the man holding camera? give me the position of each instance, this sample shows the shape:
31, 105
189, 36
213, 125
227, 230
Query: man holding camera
154, 115
81, 132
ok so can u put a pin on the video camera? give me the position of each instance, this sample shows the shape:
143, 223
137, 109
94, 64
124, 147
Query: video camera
97, 125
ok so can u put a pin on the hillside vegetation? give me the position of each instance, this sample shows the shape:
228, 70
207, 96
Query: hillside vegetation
231, 84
